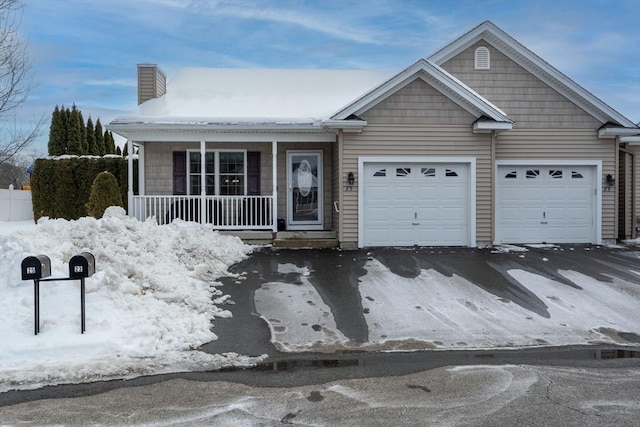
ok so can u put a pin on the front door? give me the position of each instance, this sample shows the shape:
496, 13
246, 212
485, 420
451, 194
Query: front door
304, 185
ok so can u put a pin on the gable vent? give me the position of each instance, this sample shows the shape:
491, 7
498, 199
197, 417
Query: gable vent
482, 59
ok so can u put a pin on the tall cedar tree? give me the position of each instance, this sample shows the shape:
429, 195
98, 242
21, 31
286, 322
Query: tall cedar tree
83, 133
92, 148
75, 134
125, 150
57, 134
102, 150
108, 138
118, 150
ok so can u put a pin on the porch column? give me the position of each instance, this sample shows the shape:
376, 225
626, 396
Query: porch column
141, 191
274, 177
203, 180
130, 178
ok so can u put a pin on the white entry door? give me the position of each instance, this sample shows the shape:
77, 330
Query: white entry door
424, 204
546, 204
304, 192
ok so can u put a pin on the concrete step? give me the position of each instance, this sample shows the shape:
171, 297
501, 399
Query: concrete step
305, 235
300, 243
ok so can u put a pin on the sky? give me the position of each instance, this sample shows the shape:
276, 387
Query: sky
86, 51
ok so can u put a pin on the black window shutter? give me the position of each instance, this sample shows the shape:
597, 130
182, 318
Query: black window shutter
179, 172
253, 173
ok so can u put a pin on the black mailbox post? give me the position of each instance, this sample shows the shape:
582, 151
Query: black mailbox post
82, 265
36, 267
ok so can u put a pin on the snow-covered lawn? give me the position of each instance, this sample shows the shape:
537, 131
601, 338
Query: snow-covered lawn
151, 302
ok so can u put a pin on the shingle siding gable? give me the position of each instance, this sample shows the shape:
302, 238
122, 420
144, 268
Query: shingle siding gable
418, 103
530, 102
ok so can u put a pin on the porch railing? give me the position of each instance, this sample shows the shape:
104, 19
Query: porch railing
222, 212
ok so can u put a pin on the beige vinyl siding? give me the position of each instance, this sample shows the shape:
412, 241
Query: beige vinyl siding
625, 199
418, 103
335, 183
527, 100
635, 220
393, 140
636, 196
158, 158
565, 144
327, 179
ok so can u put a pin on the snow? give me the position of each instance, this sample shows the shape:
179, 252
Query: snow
150, 304
155, 296
231, 96
440, 312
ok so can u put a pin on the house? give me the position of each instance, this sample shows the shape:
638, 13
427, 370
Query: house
482, 143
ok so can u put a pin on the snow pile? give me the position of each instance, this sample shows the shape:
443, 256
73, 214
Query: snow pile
151, 302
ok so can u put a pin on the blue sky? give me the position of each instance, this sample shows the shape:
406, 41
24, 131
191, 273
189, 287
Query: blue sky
85, 51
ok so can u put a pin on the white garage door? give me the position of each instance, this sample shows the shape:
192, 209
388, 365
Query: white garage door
423, 204
545, 204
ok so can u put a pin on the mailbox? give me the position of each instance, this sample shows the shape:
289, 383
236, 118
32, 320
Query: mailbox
36, 267
82, 265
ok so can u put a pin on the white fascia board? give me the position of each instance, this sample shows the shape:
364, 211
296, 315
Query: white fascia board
633, 140
535, 65
346, 125
449, 85
614, 131
488, 127
173, 134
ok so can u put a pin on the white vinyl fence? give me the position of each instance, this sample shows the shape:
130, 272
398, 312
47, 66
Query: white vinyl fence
15, 205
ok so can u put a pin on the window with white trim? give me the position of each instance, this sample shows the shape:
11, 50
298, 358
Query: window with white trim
482, 58
225, 172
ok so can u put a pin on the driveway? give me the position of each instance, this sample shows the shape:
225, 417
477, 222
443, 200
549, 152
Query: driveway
430, 298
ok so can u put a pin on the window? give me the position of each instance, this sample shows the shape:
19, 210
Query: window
511, 175
225, 173
532, 173
195, 169
576, 175
450, 172
380, 173
427, 172
231, 174
482, 58
555, 173
403, 171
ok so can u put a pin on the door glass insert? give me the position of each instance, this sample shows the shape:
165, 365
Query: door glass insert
305, 192
428, 172
555, 173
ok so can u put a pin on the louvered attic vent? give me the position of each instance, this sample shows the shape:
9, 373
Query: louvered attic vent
482, 60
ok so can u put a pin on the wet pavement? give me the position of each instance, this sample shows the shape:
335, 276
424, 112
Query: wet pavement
335, 275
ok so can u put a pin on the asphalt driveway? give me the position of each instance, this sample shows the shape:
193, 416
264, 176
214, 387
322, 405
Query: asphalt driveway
331, 300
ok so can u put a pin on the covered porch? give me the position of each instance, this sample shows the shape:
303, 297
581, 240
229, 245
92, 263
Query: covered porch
277, 183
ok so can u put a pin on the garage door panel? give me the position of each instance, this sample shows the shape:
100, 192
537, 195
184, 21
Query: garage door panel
545, 204
422, 205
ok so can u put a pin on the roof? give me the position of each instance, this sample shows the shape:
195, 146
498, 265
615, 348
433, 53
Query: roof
266, 96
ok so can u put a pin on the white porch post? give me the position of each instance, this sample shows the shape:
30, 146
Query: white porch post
130, 178
141, 191
203, 181
274, 172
